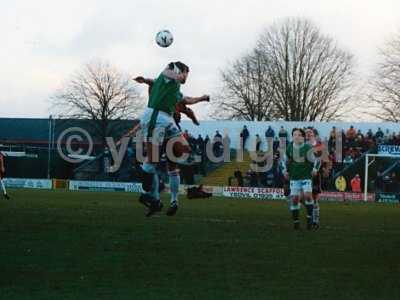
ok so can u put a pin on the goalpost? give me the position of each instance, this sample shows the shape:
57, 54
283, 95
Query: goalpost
368, 163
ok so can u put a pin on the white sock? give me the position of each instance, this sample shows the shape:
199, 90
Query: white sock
316, 213
155, 187
174, 182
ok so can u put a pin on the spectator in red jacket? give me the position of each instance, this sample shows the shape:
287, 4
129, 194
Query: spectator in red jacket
356, 184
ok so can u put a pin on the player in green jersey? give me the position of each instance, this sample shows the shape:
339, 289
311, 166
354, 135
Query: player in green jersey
158, 128
299, 166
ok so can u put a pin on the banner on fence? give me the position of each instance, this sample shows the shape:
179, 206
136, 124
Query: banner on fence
27, 183
77, 185
338, 196
389, 149
388, 197
253, 193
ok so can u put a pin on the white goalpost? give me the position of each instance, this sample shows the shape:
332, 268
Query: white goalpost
368, 163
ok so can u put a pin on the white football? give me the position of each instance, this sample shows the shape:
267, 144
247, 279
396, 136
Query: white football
164, 38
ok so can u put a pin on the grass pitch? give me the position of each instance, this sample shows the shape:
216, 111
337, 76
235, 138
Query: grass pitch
87, 245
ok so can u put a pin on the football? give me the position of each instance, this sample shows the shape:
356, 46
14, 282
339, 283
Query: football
164, 38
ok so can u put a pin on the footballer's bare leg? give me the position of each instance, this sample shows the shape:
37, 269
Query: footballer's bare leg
309, 204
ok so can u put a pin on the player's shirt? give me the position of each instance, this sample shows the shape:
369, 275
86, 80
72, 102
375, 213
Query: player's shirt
316, 180
165, 94
300, 166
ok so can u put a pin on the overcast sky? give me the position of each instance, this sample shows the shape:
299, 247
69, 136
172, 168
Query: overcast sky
44, 41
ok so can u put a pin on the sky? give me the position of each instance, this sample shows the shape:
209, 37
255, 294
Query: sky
44, 42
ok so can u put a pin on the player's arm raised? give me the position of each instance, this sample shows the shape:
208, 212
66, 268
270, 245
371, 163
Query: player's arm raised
193, 100
141, 79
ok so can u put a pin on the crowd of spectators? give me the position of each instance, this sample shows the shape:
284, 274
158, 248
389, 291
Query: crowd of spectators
353, 142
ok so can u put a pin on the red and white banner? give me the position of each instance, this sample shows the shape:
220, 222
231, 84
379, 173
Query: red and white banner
342, 196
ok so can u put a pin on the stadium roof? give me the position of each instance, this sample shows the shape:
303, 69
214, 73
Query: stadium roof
36, 131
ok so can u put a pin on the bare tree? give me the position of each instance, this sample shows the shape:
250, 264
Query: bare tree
304, 76
385, 91
245, 93
101, 93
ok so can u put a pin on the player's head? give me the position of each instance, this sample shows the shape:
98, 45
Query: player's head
181, 68
310, 134
298, 135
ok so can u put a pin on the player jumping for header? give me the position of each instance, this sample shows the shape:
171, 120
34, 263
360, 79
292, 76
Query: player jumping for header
158, 127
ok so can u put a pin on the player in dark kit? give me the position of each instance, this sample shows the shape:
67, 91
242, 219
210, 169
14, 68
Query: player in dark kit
2, 174
313, 140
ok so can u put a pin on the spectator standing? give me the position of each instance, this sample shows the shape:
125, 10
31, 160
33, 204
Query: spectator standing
244, 135
258, 142
348, 160
379, 135
351, 133
283, 133
360, 136
356, 184
200, 143
217, 144
270, 133
239, 177
332, 139
370, 134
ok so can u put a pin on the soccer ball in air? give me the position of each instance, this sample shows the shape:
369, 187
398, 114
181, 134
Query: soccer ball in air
164, 38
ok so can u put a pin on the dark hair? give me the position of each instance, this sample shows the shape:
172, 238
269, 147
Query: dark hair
180, 65
301, 131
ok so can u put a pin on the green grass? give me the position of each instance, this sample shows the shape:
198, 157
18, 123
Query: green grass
76, 245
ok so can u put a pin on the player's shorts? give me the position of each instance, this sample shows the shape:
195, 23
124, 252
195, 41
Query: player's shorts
2, 174
299, 186
158, 126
